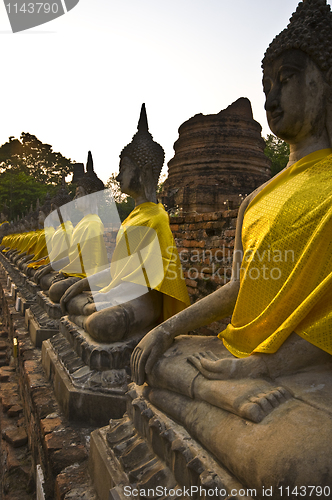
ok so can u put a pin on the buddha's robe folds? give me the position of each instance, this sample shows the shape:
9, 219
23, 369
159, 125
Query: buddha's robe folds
33, 242
286, 273
29, 242
40, 249
87, 253
9, 242
58, 245
14, 242
145, 254
21, 241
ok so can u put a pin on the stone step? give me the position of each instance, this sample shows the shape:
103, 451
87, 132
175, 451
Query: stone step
145, 450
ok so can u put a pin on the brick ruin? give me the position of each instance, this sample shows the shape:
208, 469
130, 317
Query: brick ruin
219, 159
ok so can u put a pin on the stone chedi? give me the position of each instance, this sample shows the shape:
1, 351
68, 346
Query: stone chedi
259, 396
217, 158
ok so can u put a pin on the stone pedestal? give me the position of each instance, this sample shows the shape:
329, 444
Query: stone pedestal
41, 314
187, 438
90, 379
23, 295
146, 450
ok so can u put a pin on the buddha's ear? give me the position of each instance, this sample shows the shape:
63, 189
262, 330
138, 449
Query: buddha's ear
328, 78
148, 184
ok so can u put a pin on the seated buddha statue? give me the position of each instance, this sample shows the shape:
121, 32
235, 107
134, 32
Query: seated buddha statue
59, 239
23, 234
252, 395
86, 251
144, 282
32, 244
41, 233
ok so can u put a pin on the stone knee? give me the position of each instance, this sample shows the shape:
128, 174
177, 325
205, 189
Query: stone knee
30, 272
46, 281
108, 325
58, 289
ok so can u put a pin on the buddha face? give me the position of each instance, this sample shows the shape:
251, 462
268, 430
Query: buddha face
295, 92
129, 178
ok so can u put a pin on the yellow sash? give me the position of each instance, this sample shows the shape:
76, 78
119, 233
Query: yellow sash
139, 259
286, 273
87, 254
58, 246
40, 248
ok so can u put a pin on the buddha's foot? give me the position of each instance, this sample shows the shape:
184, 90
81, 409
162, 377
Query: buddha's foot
261, 405
214, 368
249, 399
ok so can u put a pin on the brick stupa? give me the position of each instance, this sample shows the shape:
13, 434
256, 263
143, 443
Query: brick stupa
218, 160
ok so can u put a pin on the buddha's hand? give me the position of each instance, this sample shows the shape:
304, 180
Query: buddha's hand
71, 292
42, 272
148, 351
214, 368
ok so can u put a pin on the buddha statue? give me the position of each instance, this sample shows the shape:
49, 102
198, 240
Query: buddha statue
35, 246
22, 229
59, 240
21, 244
252, 395
144, 282
86, 251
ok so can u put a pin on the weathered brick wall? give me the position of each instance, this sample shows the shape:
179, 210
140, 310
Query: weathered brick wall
205, 244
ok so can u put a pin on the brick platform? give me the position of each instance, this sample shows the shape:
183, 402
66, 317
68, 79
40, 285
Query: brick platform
205, 243
34, 429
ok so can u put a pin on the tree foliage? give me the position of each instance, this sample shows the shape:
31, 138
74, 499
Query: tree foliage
124, 203
114, 185
28, 170
18, 191
278, 151
29, 155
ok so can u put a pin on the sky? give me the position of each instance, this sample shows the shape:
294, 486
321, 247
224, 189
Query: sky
78, 82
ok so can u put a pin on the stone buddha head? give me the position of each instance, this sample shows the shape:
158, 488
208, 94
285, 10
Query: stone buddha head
61, 198
141, 163
89, 183
297, 76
